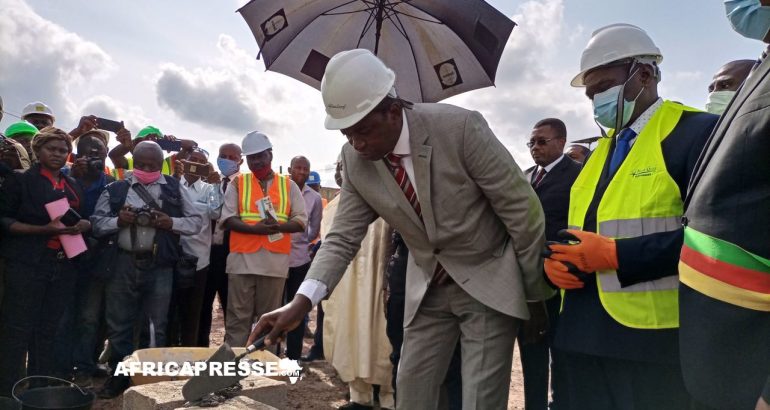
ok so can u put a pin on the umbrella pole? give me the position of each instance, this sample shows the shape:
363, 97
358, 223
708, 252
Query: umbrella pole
378, 19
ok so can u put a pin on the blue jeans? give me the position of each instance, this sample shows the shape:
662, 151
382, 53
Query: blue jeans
132, 293
35, 298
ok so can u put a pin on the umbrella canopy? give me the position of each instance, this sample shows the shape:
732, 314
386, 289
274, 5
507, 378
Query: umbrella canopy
438, 48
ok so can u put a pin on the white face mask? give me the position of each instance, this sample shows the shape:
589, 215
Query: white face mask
717, 101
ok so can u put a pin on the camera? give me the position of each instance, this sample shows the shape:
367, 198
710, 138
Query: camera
144, 216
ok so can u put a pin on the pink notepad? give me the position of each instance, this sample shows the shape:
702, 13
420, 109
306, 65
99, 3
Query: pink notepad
73, 245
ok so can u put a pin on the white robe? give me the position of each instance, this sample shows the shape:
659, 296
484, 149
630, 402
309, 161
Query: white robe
355, 342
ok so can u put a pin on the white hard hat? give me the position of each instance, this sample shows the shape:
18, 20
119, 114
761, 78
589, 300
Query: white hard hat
37, 108
354, 83
255, 142
616, 42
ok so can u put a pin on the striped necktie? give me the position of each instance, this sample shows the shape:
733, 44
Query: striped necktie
402, 179
538, 178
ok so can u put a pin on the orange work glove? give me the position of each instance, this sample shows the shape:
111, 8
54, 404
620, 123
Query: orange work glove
560, 276
593, 252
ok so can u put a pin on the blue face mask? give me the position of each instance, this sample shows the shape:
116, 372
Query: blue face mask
749, 18
606, 105
227, 166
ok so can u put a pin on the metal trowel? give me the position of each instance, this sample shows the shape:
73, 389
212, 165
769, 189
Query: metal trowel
202, 385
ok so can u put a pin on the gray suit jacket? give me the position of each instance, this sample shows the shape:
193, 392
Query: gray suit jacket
482, 220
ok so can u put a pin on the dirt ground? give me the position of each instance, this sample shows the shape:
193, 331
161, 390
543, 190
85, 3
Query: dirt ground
320, 388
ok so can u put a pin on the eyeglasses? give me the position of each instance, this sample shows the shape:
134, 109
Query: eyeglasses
541, 142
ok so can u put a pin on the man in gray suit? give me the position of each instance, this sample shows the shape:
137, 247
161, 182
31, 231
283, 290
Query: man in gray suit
438, 175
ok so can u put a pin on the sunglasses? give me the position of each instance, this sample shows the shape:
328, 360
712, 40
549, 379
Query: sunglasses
540, 142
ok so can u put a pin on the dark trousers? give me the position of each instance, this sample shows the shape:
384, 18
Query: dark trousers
601, 383
90, 326
35, 298
216, 283
184, 313
317, 349
535, 359
131, 294
294, 337
82, 322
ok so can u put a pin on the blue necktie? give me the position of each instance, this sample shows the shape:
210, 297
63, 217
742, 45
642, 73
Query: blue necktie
622, 147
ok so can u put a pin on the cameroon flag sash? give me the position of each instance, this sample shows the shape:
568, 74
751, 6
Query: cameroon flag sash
724, 271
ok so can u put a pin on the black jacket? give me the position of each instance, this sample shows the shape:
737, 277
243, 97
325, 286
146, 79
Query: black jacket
24, 198
584, 325
725, 352
553, 193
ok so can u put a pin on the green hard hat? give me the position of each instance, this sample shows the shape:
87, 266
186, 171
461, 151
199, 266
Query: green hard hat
21, 128
147, 131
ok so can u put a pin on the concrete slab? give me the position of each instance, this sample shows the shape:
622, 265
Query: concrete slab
168, 395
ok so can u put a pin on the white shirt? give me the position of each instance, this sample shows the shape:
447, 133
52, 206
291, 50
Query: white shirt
219, 233
315, 290
208, 203
644, 118
547, 168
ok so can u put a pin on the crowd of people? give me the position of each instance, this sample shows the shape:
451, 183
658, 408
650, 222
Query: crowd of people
633, 276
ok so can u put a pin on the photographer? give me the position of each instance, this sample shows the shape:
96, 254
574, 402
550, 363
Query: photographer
149, 133
40, 279
85, 318
146, 212
187, 300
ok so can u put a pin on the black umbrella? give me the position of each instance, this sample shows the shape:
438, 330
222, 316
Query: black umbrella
438, 48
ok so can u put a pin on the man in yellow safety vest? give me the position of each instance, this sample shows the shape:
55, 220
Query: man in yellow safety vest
618, 262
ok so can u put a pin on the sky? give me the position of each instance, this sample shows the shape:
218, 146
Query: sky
192, 71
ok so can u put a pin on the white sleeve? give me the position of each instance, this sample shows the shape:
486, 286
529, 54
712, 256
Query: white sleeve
315, 290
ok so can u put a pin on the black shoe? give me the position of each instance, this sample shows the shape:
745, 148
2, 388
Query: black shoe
355, 406
311, 357
114, 387
102, 370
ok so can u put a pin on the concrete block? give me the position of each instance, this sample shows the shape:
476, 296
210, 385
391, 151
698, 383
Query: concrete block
168, 395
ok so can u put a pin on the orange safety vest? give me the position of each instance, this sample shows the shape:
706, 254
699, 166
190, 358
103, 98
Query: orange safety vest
249, 193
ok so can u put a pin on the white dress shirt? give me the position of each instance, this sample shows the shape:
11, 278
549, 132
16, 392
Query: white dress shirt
208, 203
219, 233
547, 168
644, 118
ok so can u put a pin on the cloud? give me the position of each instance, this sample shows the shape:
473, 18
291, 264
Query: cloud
235, 95
532, 80
43, 61
208, 96
104, 106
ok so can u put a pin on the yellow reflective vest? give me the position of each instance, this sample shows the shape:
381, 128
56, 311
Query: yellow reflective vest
641, 199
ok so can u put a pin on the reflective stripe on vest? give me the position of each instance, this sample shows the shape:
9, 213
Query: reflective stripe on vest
249, 193
641, 199
247, 207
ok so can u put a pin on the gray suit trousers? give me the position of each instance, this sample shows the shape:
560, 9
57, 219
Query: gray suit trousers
447, 313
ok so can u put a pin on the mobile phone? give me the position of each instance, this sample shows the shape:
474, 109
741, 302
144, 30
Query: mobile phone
108, 125
197, 169
169, 145
70, 218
